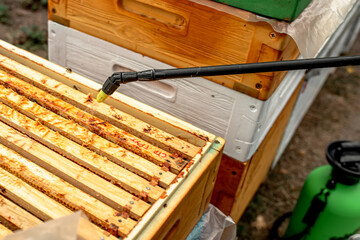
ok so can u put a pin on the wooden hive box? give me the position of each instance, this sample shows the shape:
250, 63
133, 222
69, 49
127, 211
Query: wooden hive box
184, 33
237, 182
136, 172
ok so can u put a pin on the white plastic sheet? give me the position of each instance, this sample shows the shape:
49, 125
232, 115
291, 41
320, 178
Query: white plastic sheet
355, 237
310, 30
214, 225
72, 227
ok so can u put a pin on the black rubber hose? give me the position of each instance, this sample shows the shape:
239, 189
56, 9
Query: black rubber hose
256, 67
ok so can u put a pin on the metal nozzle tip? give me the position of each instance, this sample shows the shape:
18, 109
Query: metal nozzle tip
101, 96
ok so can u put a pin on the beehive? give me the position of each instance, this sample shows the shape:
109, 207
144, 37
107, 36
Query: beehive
184, 33
242, 120
132, 169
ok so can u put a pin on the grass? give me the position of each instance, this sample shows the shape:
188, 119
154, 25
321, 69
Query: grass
4, 13
34, 5
32, 38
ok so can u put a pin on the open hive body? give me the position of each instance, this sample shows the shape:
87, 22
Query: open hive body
136, 172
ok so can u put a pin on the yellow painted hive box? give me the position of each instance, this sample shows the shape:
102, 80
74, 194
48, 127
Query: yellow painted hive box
136, 172
184, 33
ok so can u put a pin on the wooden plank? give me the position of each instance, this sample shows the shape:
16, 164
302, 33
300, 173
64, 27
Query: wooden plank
86, 138
118, 118
80, 154
4, 231
64, 192
172, 161
114, 116
229, 176
16, 215
24, 195
71, 172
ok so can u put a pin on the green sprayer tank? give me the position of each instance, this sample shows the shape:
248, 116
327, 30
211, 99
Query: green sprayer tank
329, 203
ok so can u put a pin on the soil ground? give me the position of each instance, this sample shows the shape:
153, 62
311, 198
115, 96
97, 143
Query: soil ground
334, 115
23, 26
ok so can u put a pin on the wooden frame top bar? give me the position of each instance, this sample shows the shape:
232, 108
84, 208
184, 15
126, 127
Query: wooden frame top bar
83, 136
